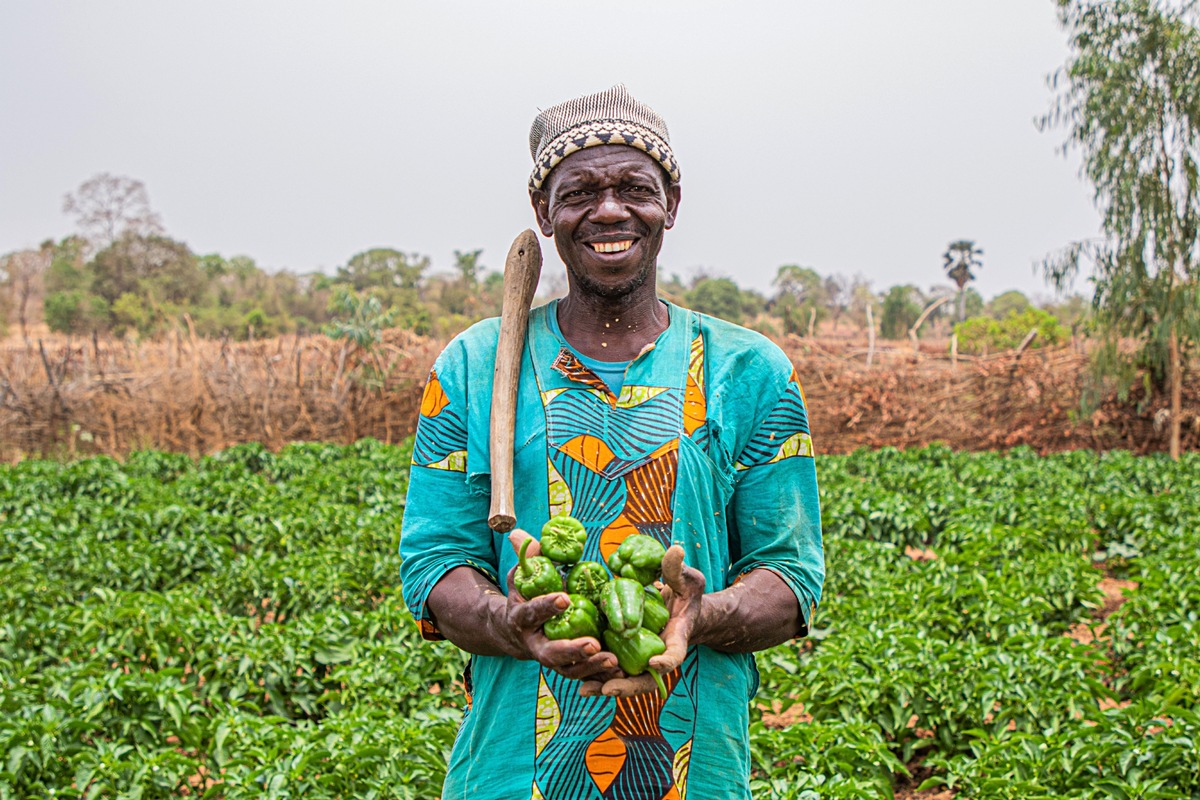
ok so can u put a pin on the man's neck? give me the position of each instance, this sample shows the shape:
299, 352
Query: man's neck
612, 329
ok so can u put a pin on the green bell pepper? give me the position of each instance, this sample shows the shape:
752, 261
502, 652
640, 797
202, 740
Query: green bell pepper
623, 601
536, 575
588, 578
634, 651
581, 618
639, 557
655, 615
562, 539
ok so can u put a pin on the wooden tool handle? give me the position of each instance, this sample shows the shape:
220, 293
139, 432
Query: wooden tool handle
522, 269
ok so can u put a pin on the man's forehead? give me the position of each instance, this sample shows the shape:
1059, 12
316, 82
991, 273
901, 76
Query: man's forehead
605, 162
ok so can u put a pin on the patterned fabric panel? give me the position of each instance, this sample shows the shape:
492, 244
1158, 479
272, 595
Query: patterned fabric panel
441, 438
614, 462
783, 434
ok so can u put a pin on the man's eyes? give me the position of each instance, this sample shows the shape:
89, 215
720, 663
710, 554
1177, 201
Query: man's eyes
578, 194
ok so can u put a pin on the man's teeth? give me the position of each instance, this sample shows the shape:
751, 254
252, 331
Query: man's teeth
612, 247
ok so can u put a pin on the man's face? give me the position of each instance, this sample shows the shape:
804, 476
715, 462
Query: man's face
607, 208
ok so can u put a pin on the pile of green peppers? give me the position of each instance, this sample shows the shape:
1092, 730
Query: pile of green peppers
616, 604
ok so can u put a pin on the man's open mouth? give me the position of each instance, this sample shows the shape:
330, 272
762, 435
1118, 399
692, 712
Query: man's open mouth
612, 247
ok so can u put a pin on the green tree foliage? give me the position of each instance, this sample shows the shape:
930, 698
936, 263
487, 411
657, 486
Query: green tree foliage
901, 307
361, 319
1006, 303
961, 257
801, 297
161, 268
383, 268
129, 313
718, 297
1128, 98
68, 269
988, 335
77, 312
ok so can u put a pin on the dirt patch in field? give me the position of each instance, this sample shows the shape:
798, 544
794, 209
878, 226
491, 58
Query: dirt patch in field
906, 788
1090, 631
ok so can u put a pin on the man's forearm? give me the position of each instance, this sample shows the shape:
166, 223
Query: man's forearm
467, 609
757, 612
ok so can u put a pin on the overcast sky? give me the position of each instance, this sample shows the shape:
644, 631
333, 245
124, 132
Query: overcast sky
859, 136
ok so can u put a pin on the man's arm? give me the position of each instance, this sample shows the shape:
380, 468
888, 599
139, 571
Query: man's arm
757, 612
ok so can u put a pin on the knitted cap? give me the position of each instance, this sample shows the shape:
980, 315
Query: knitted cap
608, 117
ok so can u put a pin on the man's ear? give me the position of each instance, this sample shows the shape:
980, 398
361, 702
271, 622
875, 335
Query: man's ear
672, 204
541, 209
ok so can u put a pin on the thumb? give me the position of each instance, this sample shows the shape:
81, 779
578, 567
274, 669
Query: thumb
672, 568
534, 613
517, 538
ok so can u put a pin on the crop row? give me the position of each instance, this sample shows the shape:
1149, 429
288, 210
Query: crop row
233, 628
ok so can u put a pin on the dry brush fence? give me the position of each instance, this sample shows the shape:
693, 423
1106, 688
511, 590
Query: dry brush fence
911, 397
61, 397
185, 394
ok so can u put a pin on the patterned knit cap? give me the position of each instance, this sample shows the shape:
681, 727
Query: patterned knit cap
608, 117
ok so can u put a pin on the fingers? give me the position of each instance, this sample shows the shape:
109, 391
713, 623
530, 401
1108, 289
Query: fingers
577, 659
596, 668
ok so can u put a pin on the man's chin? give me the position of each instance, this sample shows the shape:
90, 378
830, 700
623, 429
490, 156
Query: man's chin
615, 289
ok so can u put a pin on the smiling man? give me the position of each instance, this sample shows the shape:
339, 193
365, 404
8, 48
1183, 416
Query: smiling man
634, 416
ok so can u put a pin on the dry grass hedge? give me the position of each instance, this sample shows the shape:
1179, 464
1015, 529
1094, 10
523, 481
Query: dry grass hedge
64, 397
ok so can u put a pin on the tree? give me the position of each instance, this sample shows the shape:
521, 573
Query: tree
799, 297
76, 311
21, 275
383, 267
861, 298
1006, 303
154, 265
106, 206
960, 257
901, 307
838, 296
718, 297
68, 270
1129, 101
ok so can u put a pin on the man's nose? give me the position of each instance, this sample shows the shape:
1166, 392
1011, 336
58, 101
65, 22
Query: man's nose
609, 208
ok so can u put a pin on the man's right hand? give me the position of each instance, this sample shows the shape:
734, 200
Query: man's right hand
578, 659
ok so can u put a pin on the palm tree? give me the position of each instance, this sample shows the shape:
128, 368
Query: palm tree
960, 258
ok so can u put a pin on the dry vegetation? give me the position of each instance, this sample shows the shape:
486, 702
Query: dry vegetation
66, 397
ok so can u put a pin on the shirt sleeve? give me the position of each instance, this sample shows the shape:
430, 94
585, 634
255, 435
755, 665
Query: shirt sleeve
445, 523
775, 511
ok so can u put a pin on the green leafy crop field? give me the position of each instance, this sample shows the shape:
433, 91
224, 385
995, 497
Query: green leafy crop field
233, 628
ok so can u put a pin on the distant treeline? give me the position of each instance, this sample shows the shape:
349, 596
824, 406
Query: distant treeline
122, 275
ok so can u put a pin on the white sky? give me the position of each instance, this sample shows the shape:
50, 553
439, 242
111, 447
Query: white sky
859, 136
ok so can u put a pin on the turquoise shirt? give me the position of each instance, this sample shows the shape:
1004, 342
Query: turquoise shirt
707, 445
